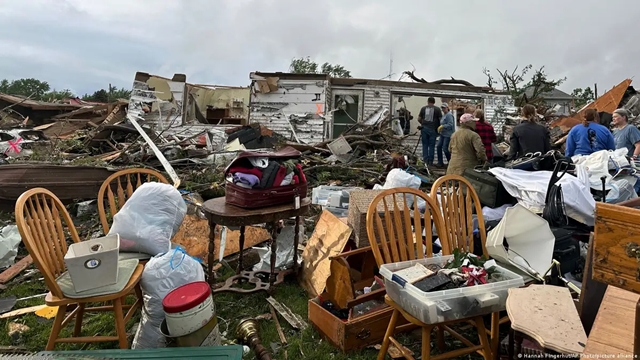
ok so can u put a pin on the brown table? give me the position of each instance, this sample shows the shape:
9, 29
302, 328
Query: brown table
218, 212
612, 334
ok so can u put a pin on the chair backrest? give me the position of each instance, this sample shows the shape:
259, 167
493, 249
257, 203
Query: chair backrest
41, 219
458, 199
395, 231
124, 183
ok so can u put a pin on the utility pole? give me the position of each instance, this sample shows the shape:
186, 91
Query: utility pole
390, 63
595, 90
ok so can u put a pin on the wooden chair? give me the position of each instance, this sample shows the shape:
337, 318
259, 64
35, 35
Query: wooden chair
398, 237
41, 218
458, 199
117, 200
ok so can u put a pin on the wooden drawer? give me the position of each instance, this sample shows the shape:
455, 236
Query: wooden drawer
353, 334
616, 241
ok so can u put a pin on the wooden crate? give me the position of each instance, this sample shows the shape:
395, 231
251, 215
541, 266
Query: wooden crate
353, 334
359, 201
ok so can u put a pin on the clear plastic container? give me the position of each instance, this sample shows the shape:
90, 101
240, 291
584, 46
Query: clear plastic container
438, 306
334, 196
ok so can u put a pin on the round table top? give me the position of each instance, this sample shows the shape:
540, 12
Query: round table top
221, 213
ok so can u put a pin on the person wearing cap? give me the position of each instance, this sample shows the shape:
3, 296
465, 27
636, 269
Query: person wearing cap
429, 119
445, 130
626, 135
467, 150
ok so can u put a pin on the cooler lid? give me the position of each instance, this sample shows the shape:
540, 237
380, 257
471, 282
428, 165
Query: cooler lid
186, 297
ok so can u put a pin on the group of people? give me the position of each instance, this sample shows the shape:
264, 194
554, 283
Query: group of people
466, 147
471, 144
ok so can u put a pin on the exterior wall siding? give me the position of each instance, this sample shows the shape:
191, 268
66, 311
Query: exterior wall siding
295, 110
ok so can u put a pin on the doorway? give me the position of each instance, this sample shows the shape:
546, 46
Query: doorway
347, 110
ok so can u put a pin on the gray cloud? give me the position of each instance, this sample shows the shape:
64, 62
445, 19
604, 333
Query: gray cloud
85, 45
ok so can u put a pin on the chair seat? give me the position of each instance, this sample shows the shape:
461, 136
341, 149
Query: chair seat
52, 300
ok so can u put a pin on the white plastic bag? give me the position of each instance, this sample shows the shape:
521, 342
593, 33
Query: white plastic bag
398, 178
161, 275
9, 241
149, 219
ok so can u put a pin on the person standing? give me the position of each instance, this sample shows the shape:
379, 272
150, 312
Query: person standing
486, 132
446, 129
467, 150
529, 136
589, 137
626, 135
429, 119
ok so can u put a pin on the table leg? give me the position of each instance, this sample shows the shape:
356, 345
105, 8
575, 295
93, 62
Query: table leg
512, 344
240, 265
636, 335
296, 241
211, 255
518, 339
274, 248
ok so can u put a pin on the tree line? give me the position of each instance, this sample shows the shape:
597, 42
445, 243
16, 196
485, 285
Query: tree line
41, 90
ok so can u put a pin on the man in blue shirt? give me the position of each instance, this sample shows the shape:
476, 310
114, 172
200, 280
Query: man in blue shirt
589, 137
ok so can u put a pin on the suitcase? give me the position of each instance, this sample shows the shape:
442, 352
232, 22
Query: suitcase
259, 198
490, 190
566, 250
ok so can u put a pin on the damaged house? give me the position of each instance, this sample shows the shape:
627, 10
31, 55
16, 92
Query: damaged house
312, 108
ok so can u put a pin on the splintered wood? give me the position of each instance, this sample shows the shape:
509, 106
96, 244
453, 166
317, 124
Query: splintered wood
293, 319
329, 239
193, 235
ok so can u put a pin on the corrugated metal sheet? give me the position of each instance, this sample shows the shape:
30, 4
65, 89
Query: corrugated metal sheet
296, 106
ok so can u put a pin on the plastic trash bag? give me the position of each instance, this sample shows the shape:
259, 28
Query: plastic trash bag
9, 241
161, 275
149, 219
398, 178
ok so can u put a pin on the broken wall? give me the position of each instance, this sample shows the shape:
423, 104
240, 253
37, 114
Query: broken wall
290, 105
219, 105
159, 101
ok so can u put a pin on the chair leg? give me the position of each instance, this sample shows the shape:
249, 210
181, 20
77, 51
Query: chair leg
484, 341
120, 329
77, 329
390, 330
441, 345
57, 326
495, 334
426, 342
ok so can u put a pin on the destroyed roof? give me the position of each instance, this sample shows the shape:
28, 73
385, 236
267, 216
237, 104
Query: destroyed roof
371, 82
554, 94
36, 105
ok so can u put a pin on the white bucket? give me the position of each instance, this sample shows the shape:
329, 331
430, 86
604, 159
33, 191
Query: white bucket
191, 319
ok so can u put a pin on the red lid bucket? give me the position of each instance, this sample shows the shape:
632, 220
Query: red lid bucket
188, 308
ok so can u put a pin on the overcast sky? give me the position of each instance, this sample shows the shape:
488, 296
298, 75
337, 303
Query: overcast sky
84, 45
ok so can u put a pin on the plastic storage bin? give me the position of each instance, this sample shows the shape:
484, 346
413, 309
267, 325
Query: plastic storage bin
438, 306
93, 263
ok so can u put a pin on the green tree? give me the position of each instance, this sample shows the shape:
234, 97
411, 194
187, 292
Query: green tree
105, 96
32, 88
308, 66
523, 91
582, 97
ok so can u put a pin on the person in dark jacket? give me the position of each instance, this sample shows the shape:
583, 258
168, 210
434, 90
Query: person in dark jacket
429, 119
529, 136
486, 132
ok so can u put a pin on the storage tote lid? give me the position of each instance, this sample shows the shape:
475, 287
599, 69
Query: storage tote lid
186, 297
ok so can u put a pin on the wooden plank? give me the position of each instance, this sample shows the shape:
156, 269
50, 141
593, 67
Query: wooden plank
613, 330
591, 294
22, 311
274, 316
193, 236
328, 239
616, 229
15, 269
548, 315
293, 319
